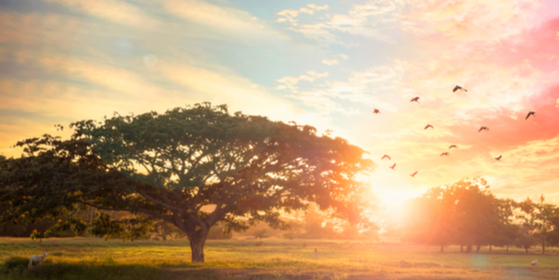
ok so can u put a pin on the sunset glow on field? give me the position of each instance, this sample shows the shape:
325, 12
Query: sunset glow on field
327, 64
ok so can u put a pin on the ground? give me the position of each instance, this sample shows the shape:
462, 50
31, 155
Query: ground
92, 258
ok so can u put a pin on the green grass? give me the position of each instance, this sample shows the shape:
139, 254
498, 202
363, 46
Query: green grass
91, 258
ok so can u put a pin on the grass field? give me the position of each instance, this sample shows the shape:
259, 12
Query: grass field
92, 258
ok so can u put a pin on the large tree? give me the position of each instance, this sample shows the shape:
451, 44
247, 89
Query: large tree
191, 167
464, 212
429, 219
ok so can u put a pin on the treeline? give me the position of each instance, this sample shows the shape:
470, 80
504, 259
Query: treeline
468, 214
313, 224
160, 230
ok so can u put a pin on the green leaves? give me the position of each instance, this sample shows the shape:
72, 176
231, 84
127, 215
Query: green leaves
190, 166
126, 229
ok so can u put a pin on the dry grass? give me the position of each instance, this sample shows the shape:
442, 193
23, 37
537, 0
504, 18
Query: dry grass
89, 258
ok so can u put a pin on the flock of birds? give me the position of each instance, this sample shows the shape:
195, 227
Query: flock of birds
415, 99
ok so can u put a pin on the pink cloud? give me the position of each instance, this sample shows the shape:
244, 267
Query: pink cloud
509, 128
538, 45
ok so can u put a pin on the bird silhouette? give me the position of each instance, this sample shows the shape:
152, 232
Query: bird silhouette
530, 113
428, 126
458, 88
393, 167
453, 146
375, 111
386, 156
415, 99
498, 158
483, 128
412, 175
444, 154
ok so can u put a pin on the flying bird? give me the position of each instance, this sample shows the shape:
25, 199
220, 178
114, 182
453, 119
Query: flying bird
428, 126
530, 113
444, 154
415, 99
375, 111
393, 167
413, 174
498, 158
483, 128
386, 156
453, 146
458, 88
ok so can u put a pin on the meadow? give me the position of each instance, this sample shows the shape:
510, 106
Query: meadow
94, 258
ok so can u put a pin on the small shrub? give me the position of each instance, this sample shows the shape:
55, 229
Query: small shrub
16, 262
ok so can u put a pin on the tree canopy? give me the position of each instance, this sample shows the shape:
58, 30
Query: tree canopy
467, 213
191, 167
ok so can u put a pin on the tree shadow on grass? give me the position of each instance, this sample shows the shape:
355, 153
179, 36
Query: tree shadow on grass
17, 268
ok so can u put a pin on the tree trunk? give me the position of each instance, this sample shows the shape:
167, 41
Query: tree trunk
477, 248
507, 249
441, 251
469, 248
461, 248
542, 245
526, 250
490, 249
197, 246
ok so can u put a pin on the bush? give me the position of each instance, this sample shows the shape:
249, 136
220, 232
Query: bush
16, 262
289, 235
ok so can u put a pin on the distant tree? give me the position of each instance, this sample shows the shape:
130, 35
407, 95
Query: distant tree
165, 229
507, 232
539, 224
174, 166
465, 213
317, 224
430, 219
295, 230
218, 231
525, 239
546, 221
260, 234
477, 213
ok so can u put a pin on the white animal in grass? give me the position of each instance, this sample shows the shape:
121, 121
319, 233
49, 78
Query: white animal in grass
534, 263
36, 259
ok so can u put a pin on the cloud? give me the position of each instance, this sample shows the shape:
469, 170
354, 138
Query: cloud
334, 61
367, 20
226, 21
113, 78
289, 15
343, 56
470, 21
116, 11
330, 61
289, 83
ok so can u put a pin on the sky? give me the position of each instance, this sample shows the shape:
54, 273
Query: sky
327, 64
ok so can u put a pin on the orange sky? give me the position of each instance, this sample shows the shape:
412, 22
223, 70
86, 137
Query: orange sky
326, 64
